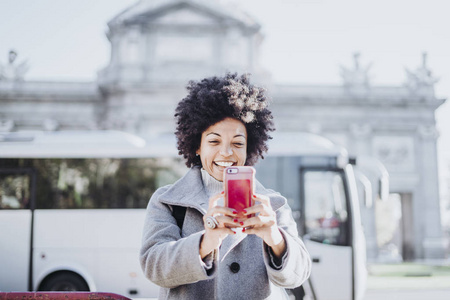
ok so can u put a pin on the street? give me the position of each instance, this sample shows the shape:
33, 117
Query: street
409, 281
411, 294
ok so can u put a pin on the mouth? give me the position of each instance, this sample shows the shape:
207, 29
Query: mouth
224, 163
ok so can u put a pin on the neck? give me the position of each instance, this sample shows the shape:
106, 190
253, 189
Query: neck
212, 185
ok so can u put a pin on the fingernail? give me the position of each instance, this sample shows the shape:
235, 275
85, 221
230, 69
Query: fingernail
244, 211
254, 196
223, 192
235, 220
242, 223
243, 229
234, 212
234, 232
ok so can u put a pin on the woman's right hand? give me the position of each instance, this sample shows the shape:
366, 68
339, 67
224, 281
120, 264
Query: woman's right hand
226, 219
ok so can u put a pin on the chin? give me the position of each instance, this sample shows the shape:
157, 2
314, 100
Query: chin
218, 177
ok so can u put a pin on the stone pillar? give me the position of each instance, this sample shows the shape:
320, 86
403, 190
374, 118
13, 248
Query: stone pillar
433, 242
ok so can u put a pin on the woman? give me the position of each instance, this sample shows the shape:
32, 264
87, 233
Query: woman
222, 122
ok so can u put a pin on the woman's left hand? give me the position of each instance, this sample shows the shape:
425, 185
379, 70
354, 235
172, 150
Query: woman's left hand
264, 224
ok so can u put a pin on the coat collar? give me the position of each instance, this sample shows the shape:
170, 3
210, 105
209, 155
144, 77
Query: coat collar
188, 191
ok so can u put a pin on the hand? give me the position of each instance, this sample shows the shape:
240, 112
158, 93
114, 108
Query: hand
264, 224
226, 218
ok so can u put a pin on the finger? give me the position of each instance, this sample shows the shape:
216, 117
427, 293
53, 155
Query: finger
259, 221
216, 210
221, 222
257, 208
261, 209
221, 231
262, 199
215, 198
225, 221
250, 230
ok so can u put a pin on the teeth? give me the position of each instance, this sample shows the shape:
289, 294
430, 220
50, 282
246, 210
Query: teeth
224, 163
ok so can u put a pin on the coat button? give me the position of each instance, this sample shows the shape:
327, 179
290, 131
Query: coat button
235, 267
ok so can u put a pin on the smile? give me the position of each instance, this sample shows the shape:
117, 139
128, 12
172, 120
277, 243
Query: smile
224, 163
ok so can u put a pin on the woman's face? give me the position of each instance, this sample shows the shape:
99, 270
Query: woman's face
223, 144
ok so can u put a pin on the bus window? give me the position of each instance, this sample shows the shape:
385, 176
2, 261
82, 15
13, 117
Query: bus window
96, 183
14, 191
326, 219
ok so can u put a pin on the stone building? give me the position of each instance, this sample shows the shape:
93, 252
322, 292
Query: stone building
396, 125
158, 45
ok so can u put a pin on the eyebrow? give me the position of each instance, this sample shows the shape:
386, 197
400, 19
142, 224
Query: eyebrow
237, 135
213, 133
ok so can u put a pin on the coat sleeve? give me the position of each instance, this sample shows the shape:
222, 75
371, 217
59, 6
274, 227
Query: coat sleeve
166, 258
296, 264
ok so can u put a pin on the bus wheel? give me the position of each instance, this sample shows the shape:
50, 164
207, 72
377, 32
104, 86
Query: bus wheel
64, 281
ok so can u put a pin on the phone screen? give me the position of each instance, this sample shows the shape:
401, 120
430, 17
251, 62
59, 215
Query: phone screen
239, 194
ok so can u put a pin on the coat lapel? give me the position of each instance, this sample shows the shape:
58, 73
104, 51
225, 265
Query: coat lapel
188, 191
229, 243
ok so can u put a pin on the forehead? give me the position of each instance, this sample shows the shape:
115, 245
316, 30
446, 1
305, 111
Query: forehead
227, 126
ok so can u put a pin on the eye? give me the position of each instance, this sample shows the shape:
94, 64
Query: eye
239, 144
214, 142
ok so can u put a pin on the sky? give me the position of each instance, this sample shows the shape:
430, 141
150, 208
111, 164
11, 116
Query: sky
306, 41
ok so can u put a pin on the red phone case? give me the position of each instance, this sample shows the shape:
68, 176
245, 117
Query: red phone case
239, 183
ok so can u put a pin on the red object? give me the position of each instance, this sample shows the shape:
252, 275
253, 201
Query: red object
239, 194
238, 182
60, 296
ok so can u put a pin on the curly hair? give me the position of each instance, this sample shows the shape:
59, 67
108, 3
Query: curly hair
214, 99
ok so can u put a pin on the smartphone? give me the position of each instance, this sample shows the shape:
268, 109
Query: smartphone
239, 185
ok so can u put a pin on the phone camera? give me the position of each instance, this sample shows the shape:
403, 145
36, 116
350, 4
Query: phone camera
232, 171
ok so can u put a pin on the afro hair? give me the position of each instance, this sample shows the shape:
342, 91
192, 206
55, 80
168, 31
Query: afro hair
214, 99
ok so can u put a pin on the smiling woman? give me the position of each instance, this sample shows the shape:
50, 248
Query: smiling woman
222, 122
214, 99
223, 144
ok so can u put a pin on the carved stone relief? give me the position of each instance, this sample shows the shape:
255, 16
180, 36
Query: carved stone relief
396, 152
360, 130
13, 71
428, 132
421, 81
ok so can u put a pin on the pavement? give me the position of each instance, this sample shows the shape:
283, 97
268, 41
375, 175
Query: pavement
407, 295
417, 280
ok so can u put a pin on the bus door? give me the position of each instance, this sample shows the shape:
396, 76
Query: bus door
358, 240
16, 219
327, 232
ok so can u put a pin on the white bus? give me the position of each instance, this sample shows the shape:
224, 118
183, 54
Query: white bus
318, 180
72, 207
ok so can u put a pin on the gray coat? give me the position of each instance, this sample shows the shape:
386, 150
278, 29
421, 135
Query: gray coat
241, 268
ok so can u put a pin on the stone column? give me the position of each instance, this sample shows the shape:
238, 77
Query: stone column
433, 242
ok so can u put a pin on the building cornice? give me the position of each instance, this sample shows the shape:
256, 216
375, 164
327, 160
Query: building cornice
340, 95
38, 90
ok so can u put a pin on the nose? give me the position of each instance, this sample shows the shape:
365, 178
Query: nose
226, 151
